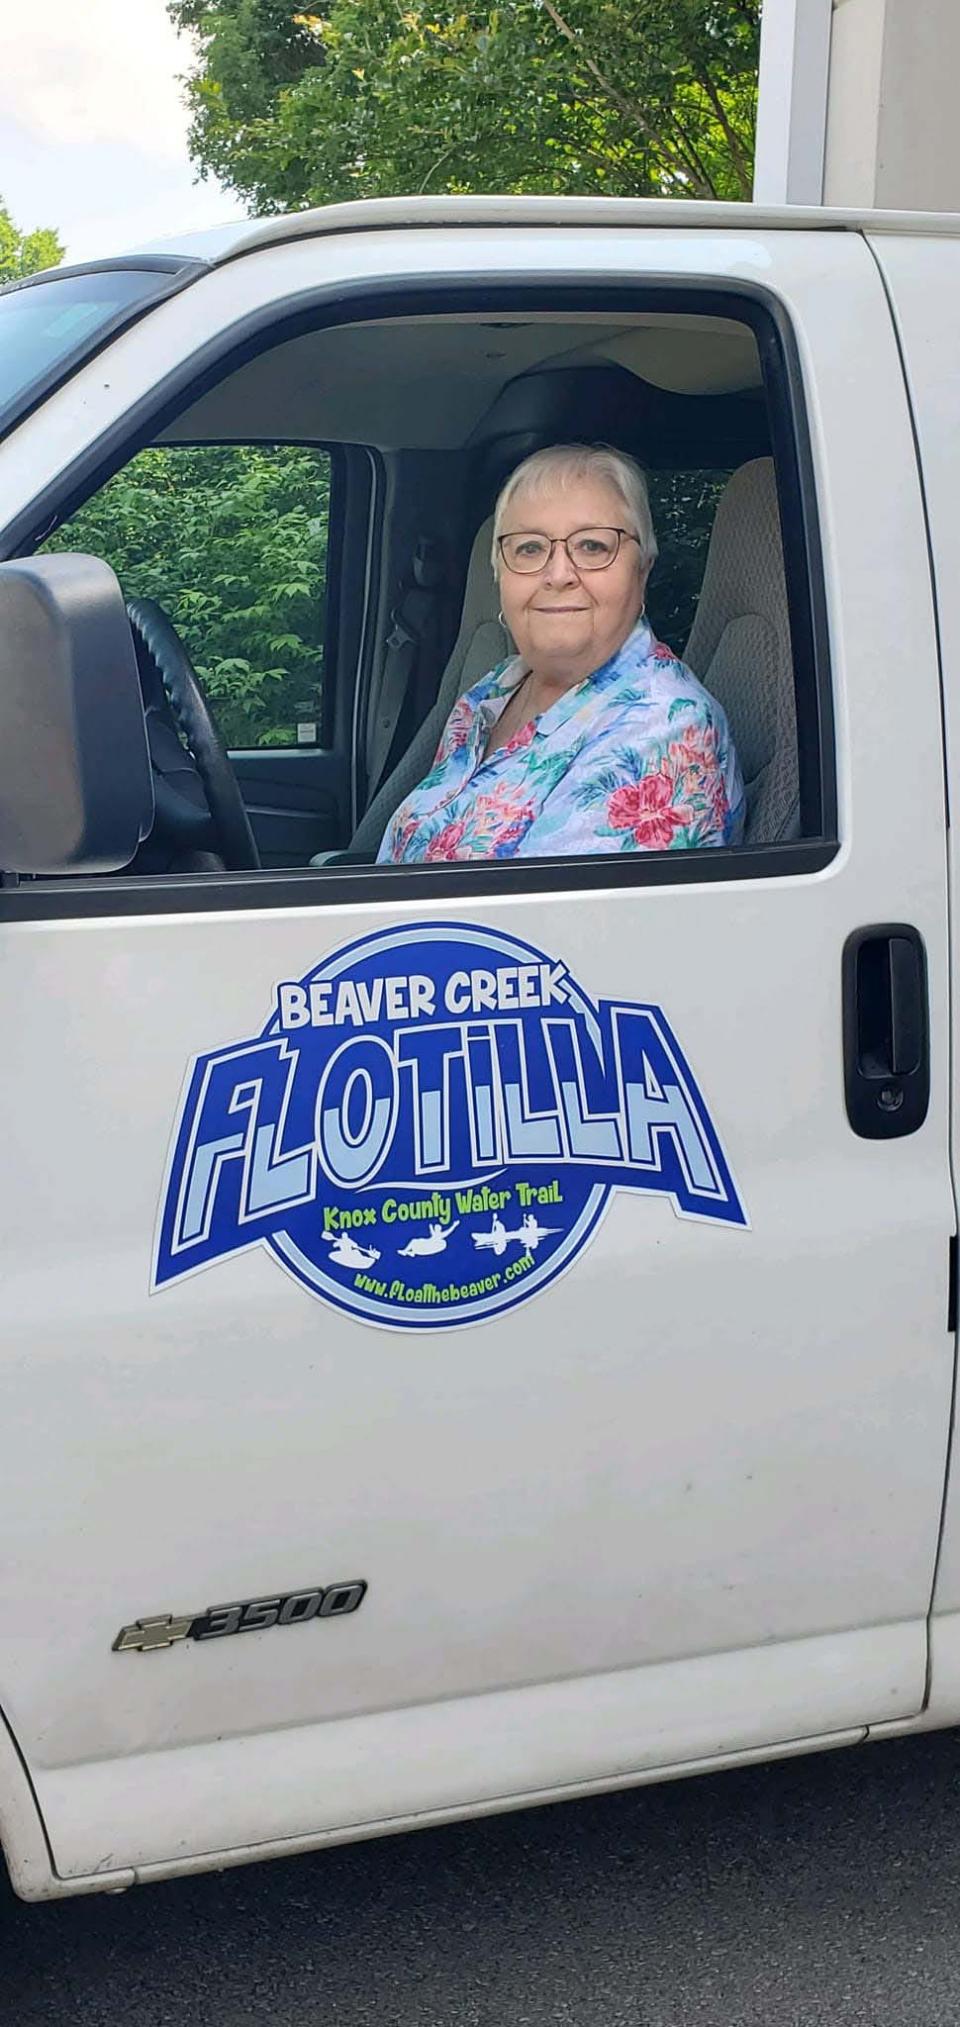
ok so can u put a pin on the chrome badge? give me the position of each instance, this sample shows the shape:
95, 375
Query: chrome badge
254, 1615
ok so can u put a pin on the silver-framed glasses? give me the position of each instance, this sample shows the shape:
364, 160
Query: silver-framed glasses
526, 550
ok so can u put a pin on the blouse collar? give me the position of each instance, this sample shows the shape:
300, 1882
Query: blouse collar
631, 654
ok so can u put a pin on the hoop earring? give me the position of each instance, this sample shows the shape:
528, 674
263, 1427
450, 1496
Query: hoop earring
501, 621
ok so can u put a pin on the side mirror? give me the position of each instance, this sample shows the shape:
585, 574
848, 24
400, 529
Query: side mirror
76, 791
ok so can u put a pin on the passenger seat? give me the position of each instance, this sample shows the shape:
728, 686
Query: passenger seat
739, 646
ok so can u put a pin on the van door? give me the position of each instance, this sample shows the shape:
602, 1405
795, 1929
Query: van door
456, 1346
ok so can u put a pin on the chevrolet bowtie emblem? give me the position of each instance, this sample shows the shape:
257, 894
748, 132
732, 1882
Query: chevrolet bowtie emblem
146, 1634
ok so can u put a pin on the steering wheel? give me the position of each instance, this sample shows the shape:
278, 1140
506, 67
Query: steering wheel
200, 812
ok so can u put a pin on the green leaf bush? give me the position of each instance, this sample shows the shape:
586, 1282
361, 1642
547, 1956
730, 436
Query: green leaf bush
232, 541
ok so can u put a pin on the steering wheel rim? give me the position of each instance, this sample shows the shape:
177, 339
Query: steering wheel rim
159, 646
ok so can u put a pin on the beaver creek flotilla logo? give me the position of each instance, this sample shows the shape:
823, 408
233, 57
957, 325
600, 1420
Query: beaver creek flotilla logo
429, 1127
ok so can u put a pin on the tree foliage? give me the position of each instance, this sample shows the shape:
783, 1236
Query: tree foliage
372, 98
23, 253
232, 541
683, 505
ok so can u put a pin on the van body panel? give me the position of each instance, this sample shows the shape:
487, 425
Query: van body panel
683, 1503
922, 275
437, 1760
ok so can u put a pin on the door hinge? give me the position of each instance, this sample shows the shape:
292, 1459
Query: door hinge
952, 1286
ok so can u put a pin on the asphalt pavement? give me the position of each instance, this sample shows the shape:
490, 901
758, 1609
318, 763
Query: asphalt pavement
824, 1889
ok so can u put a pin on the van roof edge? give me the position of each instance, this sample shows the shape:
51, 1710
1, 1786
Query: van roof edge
218, 244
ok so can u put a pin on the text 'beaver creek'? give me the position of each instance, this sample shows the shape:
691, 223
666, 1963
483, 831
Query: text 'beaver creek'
410, 996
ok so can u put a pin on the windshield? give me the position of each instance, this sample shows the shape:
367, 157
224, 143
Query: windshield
49, 327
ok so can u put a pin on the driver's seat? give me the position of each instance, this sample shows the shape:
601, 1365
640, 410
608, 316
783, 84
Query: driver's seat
481, 643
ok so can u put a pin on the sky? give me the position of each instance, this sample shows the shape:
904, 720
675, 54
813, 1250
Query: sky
93, 130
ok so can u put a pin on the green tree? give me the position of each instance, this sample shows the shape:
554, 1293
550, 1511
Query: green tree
232, 541
614, 97
23, 253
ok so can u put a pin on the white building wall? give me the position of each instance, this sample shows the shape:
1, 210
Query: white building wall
858, 104
792, 106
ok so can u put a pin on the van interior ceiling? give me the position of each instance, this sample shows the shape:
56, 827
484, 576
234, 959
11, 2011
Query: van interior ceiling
441, 382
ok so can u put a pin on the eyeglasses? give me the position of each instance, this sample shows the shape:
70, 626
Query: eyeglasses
587, 549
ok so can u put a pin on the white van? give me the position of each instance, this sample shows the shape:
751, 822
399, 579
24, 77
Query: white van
316, 1524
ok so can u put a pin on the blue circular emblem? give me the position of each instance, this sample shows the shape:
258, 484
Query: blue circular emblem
444, 1198
429, 1127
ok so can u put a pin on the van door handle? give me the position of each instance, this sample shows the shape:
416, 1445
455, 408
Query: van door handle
886, 1031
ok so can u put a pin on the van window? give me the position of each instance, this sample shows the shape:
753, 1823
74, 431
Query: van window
50, 323
234, 540
231, 539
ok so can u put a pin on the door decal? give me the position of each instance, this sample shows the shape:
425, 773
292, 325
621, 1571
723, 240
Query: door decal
429, 1127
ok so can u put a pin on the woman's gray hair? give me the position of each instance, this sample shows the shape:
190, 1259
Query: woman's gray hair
562, 465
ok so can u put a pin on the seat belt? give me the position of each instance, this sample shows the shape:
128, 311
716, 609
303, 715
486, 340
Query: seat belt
409, 625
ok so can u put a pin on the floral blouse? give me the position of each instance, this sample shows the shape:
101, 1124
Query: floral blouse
637, 758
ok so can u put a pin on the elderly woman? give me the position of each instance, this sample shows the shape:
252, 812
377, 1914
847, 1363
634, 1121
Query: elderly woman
594, 737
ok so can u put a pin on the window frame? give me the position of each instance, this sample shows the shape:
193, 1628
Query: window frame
75, 897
